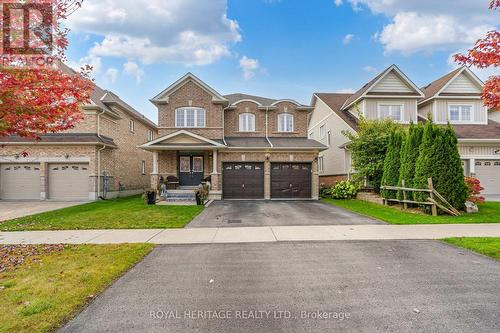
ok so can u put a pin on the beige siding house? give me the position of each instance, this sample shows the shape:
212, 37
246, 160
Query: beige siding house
98, 157
456, 98
389, 95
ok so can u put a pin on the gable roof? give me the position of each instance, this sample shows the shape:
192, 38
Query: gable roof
434, 88
162, 97
372, 83
204, 141
104, 99
335, 101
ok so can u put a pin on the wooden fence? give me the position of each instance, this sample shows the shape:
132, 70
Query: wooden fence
432, 200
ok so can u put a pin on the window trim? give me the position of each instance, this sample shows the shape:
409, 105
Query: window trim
460, 105
283, 130
246, 114
391, 104
322, 131
321, 166
143, 167
196, 109
131, 126
150, 135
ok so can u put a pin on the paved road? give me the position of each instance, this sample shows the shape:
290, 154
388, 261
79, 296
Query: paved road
395, 286
14, 209
275, 213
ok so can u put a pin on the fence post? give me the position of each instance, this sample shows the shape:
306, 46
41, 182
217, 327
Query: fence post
431, 194
405, 204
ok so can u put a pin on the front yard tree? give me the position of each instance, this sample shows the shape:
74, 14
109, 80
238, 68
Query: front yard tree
41, 98
392, 163
409, 156
368, 147
486, 53
426, 161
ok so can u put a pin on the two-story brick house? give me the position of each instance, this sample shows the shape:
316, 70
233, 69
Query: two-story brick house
250, 147
98, 157
454, 98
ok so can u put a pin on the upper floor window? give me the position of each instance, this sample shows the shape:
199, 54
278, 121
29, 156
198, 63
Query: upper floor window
150, 135
190, 117
322, 132
459, 113
285, 122
247, 122
143, 167
393, 111
131, 126
329, 141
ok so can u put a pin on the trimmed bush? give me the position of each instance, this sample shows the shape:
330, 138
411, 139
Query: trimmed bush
439, 159
345, 189
409, 156
392, 163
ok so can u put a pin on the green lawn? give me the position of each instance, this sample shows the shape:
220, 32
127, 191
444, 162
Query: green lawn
40, 296
487, 246
123, 213
488, 213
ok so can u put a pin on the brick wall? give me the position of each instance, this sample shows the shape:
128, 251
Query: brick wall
332, 180
190, 94
300, 120
231, 120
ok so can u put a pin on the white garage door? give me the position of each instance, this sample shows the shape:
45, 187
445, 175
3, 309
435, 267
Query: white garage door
20, 181
488, 172
68, 181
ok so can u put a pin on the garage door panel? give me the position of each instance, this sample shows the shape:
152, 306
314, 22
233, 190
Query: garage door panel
20, 181
488, 173
243, 180
291, 180
68, 182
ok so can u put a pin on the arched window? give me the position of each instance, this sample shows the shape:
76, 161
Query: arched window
247, 122
190, 117
285, 122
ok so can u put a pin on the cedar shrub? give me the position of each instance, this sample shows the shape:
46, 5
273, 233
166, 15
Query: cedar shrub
392, 163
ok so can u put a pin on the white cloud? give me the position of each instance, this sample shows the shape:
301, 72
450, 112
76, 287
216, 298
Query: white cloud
337, 2
249, 66
429, 25
370, 69
189, 32
345, 91
132, 69
347, 39
111, 74
92, 60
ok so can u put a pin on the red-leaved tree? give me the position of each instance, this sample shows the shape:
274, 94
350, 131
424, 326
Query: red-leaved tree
486, 53
38, 99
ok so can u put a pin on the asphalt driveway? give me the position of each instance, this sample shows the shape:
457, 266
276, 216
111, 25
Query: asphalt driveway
14, 209
275, 213
362, 286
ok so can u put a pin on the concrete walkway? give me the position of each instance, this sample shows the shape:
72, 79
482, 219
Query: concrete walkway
14, 209
253, 234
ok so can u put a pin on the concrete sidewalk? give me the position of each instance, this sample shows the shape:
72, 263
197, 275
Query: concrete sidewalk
252, 234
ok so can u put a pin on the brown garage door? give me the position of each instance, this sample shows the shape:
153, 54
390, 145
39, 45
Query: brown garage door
243, 180
291, 180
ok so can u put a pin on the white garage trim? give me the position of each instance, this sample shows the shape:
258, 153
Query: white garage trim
68, 181
20, 181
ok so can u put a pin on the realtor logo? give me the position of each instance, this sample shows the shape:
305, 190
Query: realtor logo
27, 27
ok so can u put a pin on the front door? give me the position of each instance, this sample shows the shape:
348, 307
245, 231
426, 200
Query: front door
190, 170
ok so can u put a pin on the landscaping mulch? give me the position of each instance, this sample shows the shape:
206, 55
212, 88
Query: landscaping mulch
13, 256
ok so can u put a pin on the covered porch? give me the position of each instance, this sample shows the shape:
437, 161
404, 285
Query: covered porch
185, 160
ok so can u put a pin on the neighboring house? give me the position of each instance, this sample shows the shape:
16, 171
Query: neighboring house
455, 97
250, 147
389, 95
99, 156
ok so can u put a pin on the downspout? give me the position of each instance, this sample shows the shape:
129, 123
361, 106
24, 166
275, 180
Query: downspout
224, 126
267, 127
99, 154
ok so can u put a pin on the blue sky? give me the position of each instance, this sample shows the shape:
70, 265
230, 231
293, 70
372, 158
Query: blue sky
273, 48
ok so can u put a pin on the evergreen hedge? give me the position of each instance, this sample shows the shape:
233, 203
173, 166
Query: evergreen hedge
409, 155
392, 163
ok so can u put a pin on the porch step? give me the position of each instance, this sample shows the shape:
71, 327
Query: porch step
181, 195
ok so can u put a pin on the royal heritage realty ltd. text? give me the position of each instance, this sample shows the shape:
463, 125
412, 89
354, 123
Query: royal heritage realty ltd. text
246, 314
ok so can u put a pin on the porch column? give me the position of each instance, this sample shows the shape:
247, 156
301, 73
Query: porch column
155, 162
215, 175
472, 167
